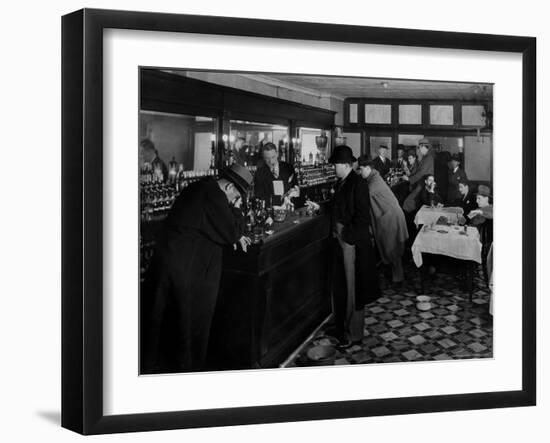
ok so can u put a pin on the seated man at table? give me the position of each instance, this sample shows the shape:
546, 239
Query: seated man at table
467, 199
484, 201
428, 194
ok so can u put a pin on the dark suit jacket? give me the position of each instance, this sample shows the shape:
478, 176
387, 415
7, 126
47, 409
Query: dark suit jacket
399, 163
350, 206
424, 167
467, 202
454, 179
382, 167
426, 198
263, 181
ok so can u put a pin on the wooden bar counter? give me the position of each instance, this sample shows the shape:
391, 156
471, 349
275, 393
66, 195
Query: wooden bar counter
273, 296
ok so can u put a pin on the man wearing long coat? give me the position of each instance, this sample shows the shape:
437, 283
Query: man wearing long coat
355, 280
184, 276
387, 220
416, 180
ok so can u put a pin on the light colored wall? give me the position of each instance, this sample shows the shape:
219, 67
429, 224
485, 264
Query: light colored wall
285, 93
478, 157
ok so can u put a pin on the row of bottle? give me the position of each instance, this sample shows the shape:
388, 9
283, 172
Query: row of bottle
156, 198
313, 176
149, 175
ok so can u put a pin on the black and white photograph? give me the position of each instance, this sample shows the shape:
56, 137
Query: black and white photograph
290, 220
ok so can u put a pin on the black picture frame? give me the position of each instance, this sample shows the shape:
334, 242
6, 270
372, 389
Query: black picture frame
82, 232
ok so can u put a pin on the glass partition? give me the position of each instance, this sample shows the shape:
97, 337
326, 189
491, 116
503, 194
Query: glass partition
246, 139
172, 145
315, 145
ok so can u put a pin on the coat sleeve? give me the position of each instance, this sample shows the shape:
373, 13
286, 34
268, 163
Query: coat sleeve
357, 228
223, 224
426, 167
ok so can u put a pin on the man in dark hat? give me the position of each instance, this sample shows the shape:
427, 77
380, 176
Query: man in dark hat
416, 180
456, 175
184, 276
355, 282
275, 180
382, 163
484, 201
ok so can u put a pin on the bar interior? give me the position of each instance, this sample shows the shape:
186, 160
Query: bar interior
273, 306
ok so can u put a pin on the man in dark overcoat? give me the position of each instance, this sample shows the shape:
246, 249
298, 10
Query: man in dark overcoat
185, 272
355, 280
425, 166
456, 176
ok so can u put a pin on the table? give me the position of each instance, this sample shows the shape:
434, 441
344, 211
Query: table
449, 241
427, 215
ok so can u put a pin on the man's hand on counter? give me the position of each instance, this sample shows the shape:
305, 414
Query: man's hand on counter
314, 206
244, 242
268, 221
294, 192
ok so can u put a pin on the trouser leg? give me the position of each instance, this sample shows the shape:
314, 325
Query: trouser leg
354, 317
152, 331
397, 271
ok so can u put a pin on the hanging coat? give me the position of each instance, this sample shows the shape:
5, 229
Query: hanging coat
387, 219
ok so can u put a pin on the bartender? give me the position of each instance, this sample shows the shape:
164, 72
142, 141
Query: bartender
275, 181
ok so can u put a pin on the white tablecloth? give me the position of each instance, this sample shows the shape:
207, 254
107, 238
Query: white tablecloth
427, 215
451, 243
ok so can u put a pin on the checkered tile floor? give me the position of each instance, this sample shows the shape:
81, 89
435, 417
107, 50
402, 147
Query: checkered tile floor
396, 331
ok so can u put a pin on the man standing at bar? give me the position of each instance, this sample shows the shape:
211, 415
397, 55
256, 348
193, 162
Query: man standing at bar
148, 154
382, 163
275, 180
355, 281
186, 270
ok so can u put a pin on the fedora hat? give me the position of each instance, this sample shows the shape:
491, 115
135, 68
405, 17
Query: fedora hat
342, 154
239, 176
364, 160
484, 190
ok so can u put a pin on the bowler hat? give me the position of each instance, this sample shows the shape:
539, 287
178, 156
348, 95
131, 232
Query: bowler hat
364, 160
239, 176
342, 154
484, 190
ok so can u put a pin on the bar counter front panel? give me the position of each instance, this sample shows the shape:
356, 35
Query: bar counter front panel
273, 296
